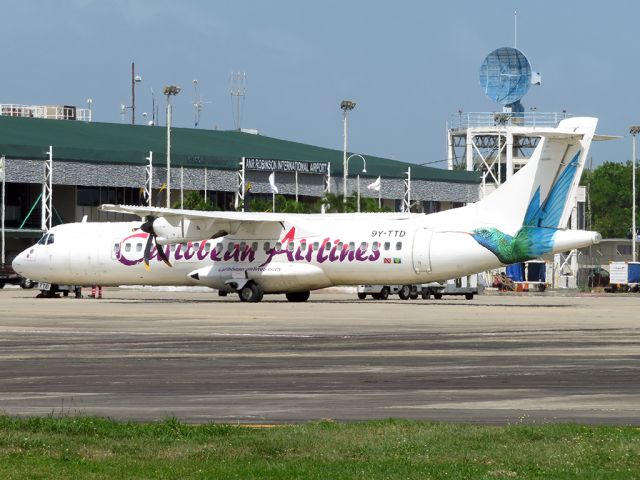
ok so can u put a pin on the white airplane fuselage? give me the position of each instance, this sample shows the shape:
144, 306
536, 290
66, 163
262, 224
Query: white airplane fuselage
306, 253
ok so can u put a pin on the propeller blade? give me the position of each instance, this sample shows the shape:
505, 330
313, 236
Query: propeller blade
161, 253
147, 251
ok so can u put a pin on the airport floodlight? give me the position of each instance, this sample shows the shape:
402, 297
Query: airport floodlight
137, 79
633, 130
347, 105
171, 90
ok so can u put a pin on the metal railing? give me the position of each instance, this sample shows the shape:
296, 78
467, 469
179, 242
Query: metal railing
54, 112
517, 119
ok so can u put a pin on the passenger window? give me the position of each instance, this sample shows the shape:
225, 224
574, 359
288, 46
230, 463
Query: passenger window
277, 246
173, 247
327, 246
50, 239
196, 245
207, 247
363, 246
352, 246
229, 246
219, 247
290, 246
267, 246
387, 245
243, 245
315, 246
399, 246
375, 246
116, 247
254, 246
303, 245
127, 247
339, 246
138, 247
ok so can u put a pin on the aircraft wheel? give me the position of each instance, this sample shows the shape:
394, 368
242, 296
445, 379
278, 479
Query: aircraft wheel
426, 294
251, 293
1, 284
384, 293
468, 296
437, 296
405, 292
298, 296
362, 295
27, 283
413, 295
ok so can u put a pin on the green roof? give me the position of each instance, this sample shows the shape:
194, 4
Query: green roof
29, 138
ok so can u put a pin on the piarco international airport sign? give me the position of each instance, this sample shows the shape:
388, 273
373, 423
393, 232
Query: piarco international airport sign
274, 165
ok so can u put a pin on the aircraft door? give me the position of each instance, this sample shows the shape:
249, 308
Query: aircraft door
422, 250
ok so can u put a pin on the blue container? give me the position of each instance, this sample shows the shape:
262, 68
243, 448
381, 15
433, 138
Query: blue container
633, 274
515, 272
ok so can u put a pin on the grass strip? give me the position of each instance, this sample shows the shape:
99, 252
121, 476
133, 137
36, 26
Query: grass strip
96, 448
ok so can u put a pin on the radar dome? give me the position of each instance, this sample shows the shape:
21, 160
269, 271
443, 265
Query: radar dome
505, 75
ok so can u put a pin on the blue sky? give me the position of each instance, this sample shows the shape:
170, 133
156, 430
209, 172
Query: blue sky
409, 65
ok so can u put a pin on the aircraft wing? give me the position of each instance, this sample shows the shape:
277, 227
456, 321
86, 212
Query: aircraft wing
172, 225
194, 214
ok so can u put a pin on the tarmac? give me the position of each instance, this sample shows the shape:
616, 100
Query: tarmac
149, 354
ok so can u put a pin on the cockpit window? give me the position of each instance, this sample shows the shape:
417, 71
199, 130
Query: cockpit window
50, 239
43, 240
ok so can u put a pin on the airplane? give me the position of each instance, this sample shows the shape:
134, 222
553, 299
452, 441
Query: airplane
253, 253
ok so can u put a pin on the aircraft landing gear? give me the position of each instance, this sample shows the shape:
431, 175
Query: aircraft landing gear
298, 296
251, 292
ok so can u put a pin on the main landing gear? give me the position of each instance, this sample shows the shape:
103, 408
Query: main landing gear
298, 296
251, 292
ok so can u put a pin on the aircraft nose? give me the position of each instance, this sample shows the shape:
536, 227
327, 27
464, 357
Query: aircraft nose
18, 263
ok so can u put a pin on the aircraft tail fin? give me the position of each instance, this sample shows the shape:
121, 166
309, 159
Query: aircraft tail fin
541, 193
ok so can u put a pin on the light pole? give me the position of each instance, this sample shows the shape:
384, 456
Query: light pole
633, 130
169, 90
345, 106
364, 170
134, 79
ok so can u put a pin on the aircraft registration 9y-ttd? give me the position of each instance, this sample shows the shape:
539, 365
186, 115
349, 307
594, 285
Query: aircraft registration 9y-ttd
256, 253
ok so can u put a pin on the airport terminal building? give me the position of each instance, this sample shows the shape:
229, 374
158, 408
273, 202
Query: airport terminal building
59, 171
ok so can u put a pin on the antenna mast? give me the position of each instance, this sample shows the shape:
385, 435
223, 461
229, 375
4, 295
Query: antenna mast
197, 103
515, 29
239, 91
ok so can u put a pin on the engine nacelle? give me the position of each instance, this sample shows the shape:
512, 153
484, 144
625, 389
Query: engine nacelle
183, 230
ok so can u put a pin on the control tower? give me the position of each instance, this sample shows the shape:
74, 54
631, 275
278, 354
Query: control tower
497, 144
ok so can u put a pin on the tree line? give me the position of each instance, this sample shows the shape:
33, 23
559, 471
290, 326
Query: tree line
609, 199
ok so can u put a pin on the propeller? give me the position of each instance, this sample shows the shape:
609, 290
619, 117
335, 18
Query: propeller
147, 227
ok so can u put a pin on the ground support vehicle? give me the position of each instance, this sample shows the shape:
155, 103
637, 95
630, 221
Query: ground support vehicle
624, 277
382, 292
438, 290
